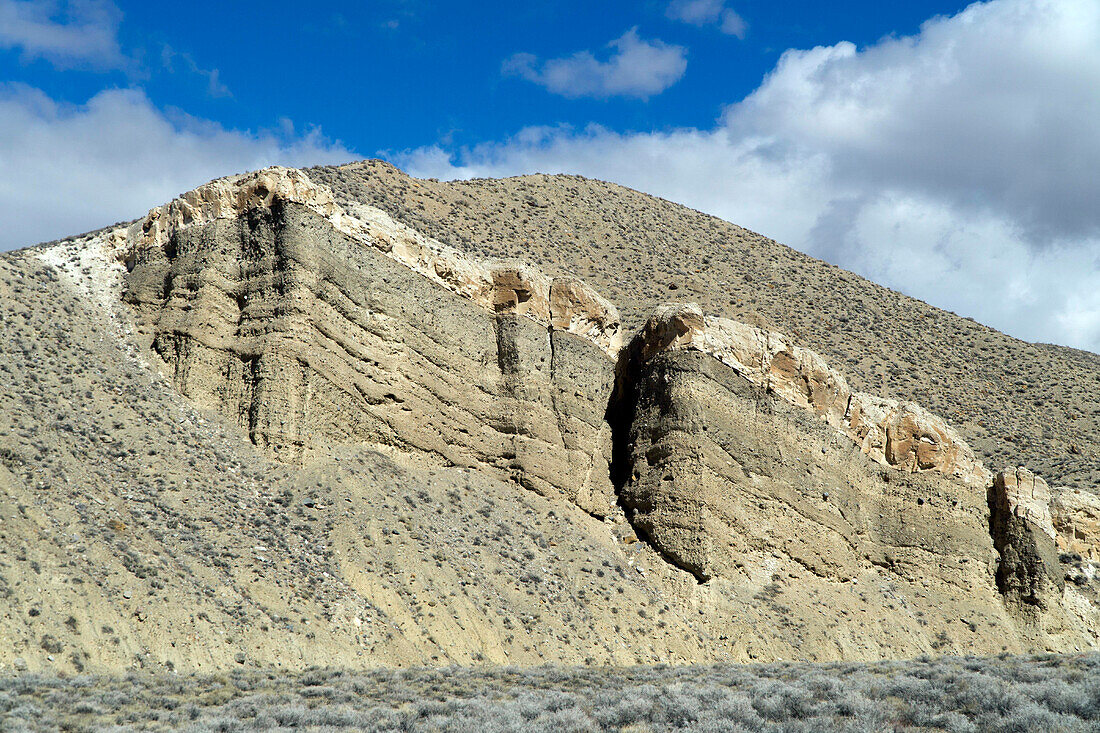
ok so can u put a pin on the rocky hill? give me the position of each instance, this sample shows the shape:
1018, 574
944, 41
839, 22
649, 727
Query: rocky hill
343, 417
1016, 403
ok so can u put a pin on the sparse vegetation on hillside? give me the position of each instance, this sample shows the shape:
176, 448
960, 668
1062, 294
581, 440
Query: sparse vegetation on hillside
1006, 694
1016, 403
140, 529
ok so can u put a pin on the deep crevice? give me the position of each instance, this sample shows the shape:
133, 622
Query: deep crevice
553, 380
250, 366
619, 416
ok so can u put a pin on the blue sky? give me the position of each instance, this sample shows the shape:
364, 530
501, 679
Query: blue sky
401, 74
943, 149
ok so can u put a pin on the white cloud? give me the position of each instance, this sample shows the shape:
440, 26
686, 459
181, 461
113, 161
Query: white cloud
214, 86
636, 68
67, 33
69, 169
958, 165
708, 12
995, 107
733, 24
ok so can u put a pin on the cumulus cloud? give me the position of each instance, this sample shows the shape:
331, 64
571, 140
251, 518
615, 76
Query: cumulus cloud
172, 60
72, 168
634, 68
994, 107
708, 12
957, 165
66, 33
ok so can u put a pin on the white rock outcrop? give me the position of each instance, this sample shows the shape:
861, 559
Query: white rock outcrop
894, 433
1026, 496
1076, 518
501, 287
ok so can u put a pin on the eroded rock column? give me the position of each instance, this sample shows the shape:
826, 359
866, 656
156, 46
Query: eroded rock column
1023, 534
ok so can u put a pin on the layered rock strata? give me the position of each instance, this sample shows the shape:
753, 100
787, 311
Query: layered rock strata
275, 306
898, 434
270, 313
311, 326
722, 474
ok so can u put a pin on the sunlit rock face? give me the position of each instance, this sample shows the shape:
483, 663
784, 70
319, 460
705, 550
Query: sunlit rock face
1023, 534
307, 337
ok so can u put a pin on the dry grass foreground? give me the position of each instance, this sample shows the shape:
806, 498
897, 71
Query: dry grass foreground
961, 695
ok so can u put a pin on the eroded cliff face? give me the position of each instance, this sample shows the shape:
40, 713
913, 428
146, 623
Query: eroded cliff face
734, 470
1023, 534
898, 434
765, 489
721, 470
308, 339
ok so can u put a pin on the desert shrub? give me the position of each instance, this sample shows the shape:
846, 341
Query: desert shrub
734, 711
960, 695
612, 710
1028, 717
1059, 697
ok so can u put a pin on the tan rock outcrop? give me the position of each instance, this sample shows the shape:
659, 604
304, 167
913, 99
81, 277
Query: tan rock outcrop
1023, 534
902, 435
899, 434
672, 326
754, 495
577, 308
308, 339
520, 290
227, 198
503, 287
1026, 496
1076, 519
309, 362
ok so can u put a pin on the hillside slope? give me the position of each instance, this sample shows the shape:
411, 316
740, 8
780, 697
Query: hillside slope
1015, 402
137, 530
260, 428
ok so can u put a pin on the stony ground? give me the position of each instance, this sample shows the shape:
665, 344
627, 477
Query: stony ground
1017, 403
955, 694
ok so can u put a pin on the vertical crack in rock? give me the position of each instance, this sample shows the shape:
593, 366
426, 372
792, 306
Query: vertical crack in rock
504, 325
620, 416
551, 337
1023, 533
249, 409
